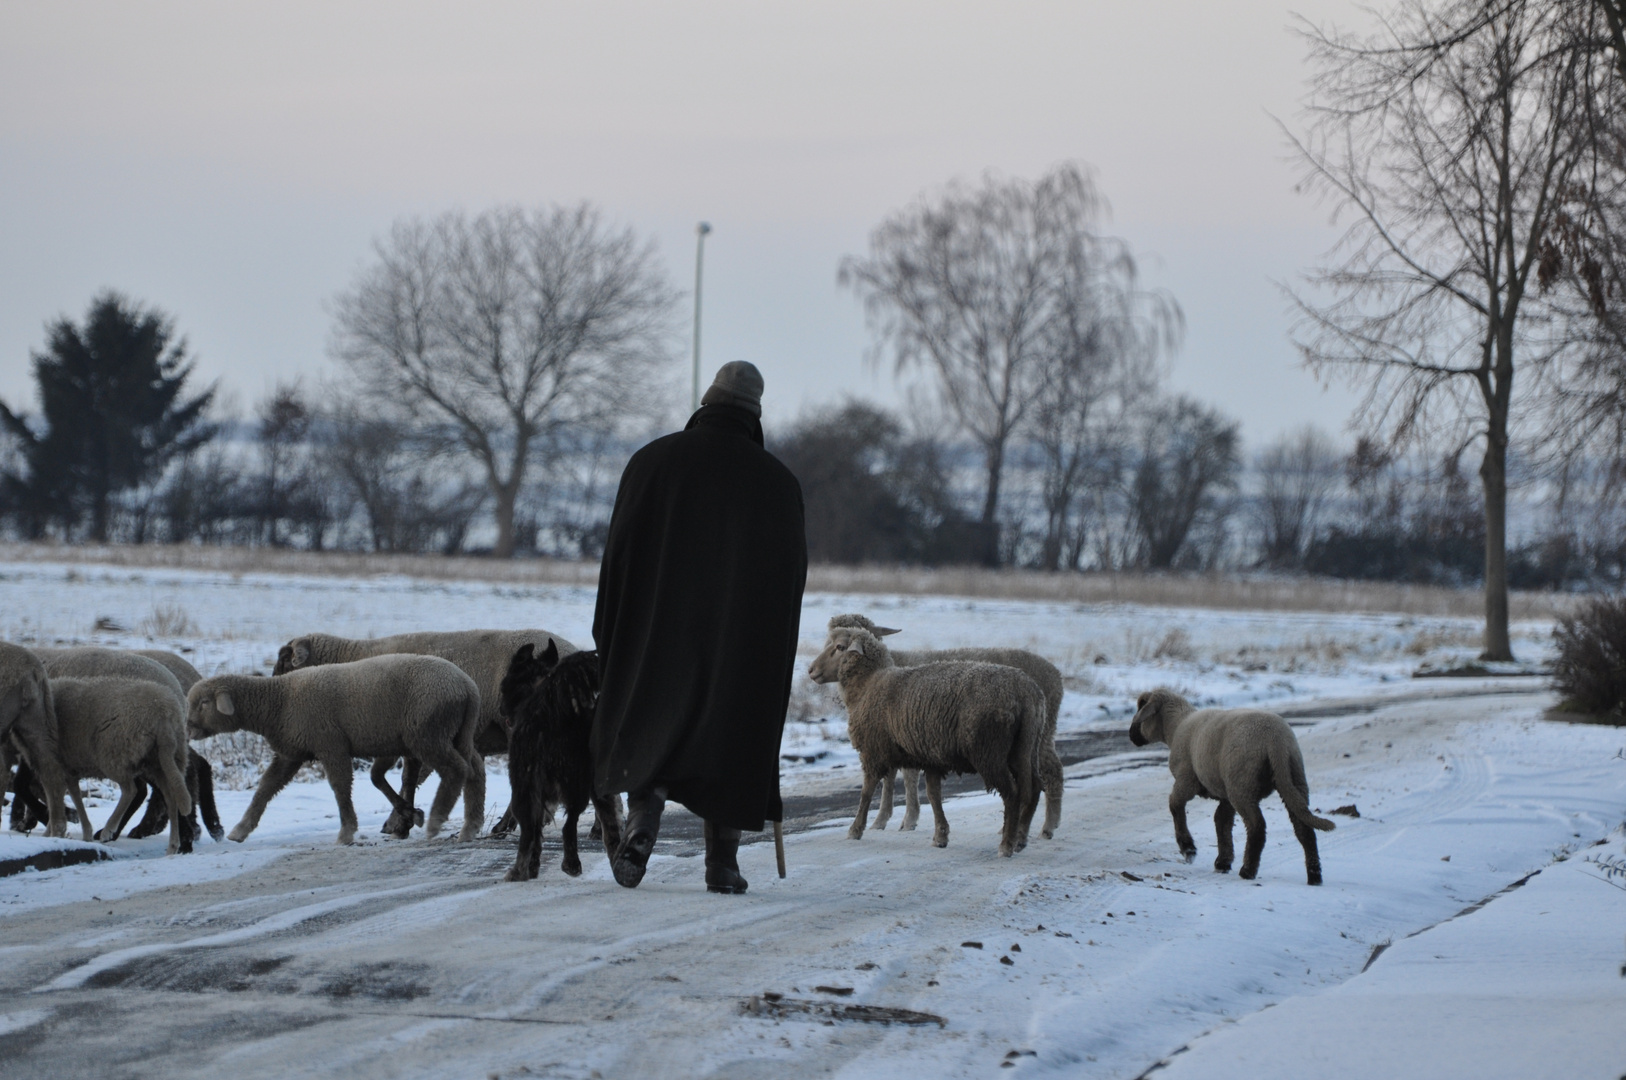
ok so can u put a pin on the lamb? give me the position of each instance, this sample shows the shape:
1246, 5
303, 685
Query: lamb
548, 705
950, 716
482, 654
28, 719
199, 773
122, 729
1236, 756
163, 668
1040, 670
383, 707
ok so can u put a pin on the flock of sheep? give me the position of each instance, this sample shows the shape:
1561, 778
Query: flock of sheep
440, 702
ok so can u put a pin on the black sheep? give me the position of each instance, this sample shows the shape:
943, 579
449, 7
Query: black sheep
547, 705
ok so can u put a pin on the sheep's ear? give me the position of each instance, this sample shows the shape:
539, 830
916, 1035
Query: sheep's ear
223, 703
550, 655
523, 654
857, 646
883, 631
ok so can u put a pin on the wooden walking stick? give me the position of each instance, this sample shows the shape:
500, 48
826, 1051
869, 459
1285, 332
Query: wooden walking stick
779, 845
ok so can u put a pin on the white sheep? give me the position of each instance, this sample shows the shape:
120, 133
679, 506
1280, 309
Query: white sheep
1047, 764
482, 654
1236, 756
384, 707
123, 729
28, 720
954, 716
163, 668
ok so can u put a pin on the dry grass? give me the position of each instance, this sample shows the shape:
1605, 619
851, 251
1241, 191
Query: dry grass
1234, 592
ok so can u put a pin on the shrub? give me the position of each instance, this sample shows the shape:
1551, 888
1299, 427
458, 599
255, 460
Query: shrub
1590, 671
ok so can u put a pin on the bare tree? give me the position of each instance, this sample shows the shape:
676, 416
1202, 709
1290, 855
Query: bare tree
284, 424
410, 500
1297, 473
1189, 455
505, 326
1105, 348
1448, 137
969, 287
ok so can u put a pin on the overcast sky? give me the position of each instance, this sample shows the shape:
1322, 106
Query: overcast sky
231, 163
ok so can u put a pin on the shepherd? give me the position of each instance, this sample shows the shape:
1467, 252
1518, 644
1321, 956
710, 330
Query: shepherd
699, 610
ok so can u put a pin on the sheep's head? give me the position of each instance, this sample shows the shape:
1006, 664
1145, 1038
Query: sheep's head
210, 710
860, 622
1148, 725
525, 673
826, 667
293, 656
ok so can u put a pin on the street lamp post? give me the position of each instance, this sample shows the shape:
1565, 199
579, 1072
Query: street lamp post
700, 232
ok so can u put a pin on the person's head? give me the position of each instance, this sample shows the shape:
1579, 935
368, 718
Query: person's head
737, 383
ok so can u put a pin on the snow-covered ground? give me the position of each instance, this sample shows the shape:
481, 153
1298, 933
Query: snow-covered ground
1099, 953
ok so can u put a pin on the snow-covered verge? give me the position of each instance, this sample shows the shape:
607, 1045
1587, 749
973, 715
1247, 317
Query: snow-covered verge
1531, 986
1096, 954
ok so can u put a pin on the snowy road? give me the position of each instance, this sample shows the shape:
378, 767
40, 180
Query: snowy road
289, 956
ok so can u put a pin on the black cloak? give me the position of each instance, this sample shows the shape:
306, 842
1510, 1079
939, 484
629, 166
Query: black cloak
699, 607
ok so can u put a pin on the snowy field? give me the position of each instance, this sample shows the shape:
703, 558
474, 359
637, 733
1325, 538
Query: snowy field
1098, 953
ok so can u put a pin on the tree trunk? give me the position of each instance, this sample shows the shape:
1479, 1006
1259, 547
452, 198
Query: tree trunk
1493, 476
990, 504
505, 495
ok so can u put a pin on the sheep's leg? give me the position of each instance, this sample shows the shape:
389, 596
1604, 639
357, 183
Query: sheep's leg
1184, 791
1026, 796
403, 815
1254, 821
572, 862
934, 793
454, 778
79, 806
157, 815
399, 824
864, 796
883, 813
911, 800
201, 774
172, 784
340, 776
1224, 819
1013, 834
127, 796
1312, 854
607, 813
1050, 776
474, 798
276, 777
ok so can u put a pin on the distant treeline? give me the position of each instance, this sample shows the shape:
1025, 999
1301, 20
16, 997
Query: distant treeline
1166, 488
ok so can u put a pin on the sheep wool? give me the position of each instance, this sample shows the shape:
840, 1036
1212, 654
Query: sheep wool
384, 707
955, 716
1236, 756
1040, 670
126, 730
28, 716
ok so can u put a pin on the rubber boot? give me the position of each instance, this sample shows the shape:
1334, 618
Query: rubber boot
722, 860
643, 825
